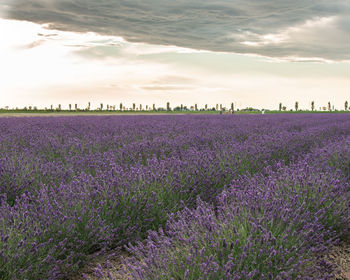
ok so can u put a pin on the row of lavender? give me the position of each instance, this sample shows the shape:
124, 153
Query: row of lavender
71, 187
279, 225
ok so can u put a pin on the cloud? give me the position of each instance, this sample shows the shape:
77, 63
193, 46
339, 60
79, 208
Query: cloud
34, 44
316, 29
47, 35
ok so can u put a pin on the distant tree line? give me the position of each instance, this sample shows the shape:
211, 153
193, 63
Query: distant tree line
168, 108
134, 107
312, 107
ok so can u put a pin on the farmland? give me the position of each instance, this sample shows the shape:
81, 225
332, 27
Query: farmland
188, 196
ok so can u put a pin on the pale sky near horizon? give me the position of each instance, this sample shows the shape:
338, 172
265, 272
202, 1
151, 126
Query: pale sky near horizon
253, 53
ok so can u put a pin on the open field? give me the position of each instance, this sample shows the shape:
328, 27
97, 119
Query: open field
22, 113
186, 196
42, 113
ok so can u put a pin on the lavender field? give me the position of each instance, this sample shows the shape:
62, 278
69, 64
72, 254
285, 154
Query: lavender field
189, 197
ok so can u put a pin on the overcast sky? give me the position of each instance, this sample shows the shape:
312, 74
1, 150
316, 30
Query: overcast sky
253, 53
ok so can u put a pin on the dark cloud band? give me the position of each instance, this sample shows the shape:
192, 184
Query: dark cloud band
255, 26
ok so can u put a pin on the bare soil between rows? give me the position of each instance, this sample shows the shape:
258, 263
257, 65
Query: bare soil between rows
112, 267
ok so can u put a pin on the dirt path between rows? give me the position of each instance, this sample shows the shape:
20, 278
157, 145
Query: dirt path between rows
103, 268
340, 257
111, 267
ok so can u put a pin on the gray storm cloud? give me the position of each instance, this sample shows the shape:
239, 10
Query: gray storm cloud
312, 29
